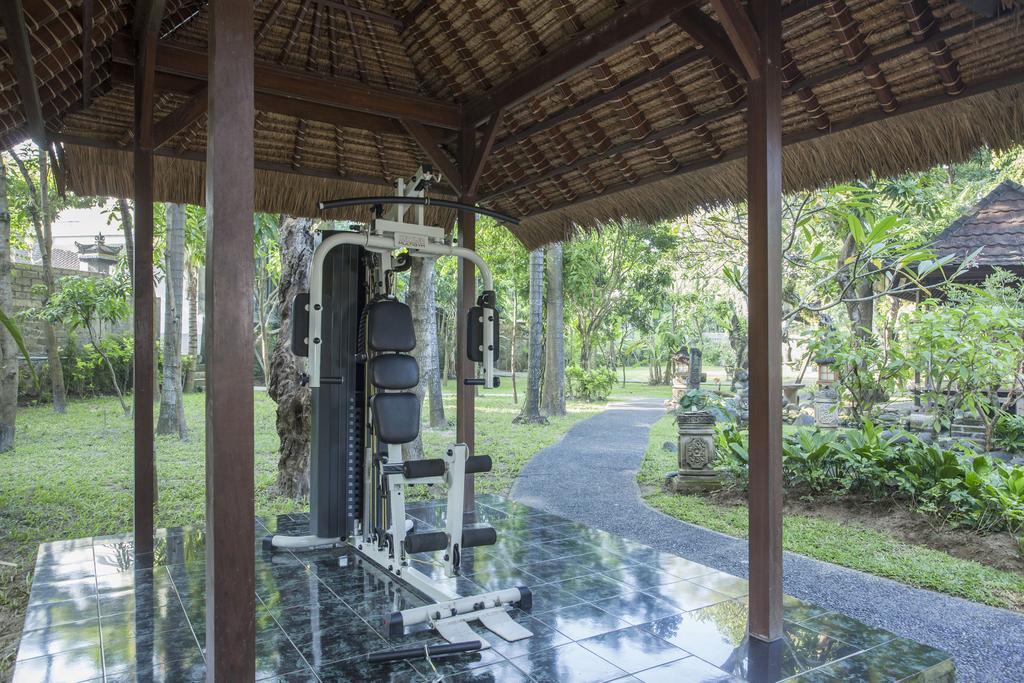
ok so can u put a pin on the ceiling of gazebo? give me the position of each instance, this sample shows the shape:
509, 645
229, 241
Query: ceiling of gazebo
351, 92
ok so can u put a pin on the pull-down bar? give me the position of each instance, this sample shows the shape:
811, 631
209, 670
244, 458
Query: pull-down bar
417, 201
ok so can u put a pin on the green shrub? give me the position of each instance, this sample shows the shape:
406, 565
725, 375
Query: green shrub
1009, 432
85, 373
955, 484
589, 385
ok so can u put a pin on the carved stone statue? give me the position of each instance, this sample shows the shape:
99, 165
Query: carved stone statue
826, 407
696, 452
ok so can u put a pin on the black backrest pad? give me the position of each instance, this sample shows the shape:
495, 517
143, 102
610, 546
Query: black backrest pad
389, 327
394, 371
396, 417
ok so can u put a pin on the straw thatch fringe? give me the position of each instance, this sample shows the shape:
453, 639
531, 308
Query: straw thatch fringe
897, 144
108, 172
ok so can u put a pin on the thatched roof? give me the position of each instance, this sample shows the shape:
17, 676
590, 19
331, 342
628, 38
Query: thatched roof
995, 225
651, 129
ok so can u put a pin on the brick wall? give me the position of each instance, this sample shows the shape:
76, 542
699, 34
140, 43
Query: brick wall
27, 285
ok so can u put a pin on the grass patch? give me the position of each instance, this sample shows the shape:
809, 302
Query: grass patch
849, 545
71, 476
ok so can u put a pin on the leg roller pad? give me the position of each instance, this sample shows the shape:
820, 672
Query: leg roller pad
418, 469
478, 463
426, 542
525, 600
479, 536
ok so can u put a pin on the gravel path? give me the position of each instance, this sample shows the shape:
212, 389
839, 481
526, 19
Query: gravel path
589, 476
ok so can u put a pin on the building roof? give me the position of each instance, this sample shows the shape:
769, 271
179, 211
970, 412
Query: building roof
995, 224
601, 109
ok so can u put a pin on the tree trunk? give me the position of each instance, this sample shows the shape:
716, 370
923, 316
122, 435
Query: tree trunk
172, 406
45, 238
860, 305
283, 385
531, 407
192, 279
129, 242
8, 348
512, 345
421, 302
553, 400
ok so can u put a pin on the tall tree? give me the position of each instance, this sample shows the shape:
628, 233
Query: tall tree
8, 347
172, 406
422, 301
195, 257
553, 399
531, 406
283, 384
39, 210
127, 229
267, 257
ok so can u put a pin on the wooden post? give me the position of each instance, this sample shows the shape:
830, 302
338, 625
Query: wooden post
764, 188
143, 283
465, 396
230, 532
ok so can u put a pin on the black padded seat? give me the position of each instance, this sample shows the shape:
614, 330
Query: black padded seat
396, 417
394, 371
389, 327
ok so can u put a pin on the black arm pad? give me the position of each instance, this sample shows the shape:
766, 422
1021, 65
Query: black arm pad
479, 536
426, 541
417, 469
478, 463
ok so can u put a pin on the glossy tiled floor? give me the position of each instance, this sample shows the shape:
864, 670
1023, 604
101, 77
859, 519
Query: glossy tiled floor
604, 609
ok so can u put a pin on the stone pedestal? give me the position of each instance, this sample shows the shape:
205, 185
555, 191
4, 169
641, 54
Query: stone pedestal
826, 408
696, 453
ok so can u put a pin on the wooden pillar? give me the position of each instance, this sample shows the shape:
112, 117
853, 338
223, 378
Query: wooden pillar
764, 188
143, 282
230, 533
465, 396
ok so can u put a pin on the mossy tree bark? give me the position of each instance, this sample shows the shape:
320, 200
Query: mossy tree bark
172, 406
553, 399
283, 383
8, 347
531, 406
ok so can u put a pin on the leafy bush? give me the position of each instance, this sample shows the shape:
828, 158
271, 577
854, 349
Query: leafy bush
1009, 432
868, 373
701, 399
955, 484
85, 372
589, 385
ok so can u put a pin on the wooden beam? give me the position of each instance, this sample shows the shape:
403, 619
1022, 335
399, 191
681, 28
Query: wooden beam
230, 193
465, 396
278, 104
580, 51
87, 24
705, 31
144, 307
147, 17
764, 327
737, 25
1009, 79
13, 15
301, 85
430, 146
189, 112
482, 153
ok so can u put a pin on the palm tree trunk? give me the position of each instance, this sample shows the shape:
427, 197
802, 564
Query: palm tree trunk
172, 414
192, 278
8, 347
531, 407
553, 400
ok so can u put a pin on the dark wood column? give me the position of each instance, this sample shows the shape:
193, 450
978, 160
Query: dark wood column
230, 533
465, 397
145, 484
764, 188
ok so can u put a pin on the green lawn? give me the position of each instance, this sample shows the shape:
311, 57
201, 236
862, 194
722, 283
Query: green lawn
71, 476
849, 545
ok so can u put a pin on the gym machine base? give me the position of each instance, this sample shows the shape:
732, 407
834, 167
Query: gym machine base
356, 337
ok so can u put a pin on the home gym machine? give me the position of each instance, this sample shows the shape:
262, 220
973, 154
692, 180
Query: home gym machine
357, 337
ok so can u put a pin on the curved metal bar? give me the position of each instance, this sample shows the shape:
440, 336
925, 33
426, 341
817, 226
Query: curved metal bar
416, 201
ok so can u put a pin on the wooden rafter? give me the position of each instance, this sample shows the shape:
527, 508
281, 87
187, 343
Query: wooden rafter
87, 17
581, 51
741, 32
13, 15
369, 15
184, 116
462, 51
300, 141
858, 52
709, 34
293, 34
922, 27
430, 146
278, 104
268, 22
382, 60
177, 60
313, 51
482, 152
